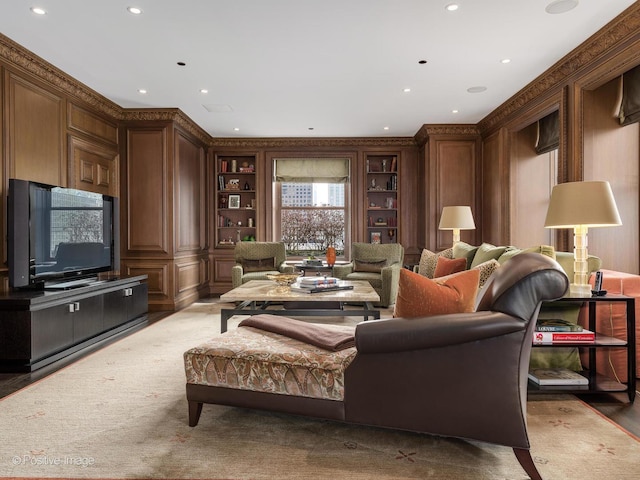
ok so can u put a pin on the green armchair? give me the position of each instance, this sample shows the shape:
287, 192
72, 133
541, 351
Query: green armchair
378, 264
256, 260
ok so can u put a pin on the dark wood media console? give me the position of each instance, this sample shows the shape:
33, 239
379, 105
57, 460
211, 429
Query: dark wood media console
40, 327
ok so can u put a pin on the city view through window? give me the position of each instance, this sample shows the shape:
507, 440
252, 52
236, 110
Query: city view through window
312, 217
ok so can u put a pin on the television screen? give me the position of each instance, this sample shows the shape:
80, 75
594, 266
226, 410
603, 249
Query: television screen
56, 233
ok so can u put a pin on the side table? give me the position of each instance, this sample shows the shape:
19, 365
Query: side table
600, 383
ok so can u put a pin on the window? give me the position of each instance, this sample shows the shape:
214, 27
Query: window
311, 207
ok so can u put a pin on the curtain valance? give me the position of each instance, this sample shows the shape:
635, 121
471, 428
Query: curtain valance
548, 133
311, 170
630, 104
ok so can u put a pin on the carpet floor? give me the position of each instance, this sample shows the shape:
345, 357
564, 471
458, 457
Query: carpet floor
121, 413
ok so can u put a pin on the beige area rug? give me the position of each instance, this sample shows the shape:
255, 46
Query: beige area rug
121, 413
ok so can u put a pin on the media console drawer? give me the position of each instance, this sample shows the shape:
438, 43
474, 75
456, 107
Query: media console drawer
38, 328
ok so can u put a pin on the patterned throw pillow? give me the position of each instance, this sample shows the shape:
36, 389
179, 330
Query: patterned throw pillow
419, 296
486, 269
447, 266
372, 266
259, 264
429, 261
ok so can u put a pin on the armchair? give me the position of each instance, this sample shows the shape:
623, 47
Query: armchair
378, 264
256, 260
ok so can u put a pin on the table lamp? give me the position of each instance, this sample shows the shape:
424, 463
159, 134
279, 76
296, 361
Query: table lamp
456, 218
581, 205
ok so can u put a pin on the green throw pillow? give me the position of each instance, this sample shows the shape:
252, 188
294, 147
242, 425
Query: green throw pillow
464, 250
486, 252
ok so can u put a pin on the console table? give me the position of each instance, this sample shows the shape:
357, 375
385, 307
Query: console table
40, 327
600, 383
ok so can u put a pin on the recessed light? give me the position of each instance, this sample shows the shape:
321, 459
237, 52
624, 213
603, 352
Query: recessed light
505, 60
452, 7
38, 11
422, 62
204, 90
385, 128
454, 111
181, 64
142, 91
236, 129
134, 10
310, 128
561, 6
406, 90
478, 89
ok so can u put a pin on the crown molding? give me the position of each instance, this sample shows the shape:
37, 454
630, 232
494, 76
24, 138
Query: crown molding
422, 136
614, 33
345, 142
166, 115
21, 58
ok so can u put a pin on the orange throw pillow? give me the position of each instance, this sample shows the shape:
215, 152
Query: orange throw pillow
447, 266
419, 296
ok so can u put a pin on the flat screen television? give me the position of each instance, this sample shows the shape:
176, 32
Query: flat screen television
59, 237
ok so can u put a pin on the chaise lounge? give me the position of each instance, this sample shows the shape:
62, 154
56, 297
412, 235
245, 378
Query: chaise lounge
459, 375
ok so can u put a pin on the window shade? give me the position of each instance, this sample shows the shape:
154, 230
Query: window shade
311, 170
630, 104
548, 133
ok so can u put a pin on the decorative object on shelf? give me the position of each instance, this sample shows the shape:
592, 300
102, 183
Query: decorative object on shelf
384, 165
250, 222
456, 218
580, 205
284, 280
376, 237
223, 201
234, 201
391, 234
234, 165
247, 186
238, 239
233, 184
331, 256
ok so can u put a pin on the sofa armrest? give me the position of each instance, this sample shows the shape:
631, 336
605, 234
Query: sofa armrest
236, 275
341, 271
399, 334
284, 268
390, 282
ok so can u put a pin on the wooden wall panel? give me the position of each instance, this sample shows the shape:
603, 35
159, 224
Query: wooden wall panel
191, 227
148, 213
93, 167
612, 153
532, 178
86, 122
34, 133
454, 170
494, 208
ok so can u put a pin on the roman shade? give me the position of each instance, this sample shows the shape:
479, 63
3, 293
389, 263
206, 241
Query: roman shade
630, 104
311, 170
548, 133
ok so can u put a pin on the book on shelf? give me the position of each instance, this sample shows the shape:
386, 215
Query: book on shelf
564, 337
320, 288
557, 376
313, 281
557, 325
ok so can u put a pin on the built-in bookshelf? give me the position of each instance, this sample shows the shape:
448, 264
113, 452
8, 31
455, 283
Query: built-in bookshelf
382, 198
235, 199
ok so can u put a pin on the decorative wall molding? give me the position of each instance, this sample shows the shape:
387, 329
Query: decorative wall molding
344, 142
18, 56
167, 115
422, 136
626, 25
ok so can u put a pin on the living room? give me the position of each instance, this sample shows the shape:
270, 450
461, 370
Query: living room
162, 166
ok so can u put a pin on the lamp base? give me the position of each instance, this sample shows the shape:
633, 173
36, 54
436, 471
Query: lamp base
580, 291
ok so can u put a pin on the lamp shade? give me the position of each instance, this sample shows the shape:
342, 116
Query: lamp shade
456, 217
590, 204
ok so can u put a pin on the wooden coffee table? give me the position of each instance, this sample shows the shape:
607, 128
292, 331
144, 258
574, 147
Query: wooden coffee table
257, 296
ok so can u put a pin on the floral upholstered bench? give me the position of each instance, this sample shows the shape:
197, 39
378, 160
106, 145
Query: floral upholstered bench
259, 360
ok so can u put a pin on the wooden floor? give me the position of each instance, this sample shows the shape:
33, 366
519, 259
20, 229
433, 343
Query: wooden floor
616, 407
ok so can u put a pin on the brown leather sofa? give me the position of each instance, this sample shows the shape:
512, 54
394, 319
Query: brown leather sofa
458, 375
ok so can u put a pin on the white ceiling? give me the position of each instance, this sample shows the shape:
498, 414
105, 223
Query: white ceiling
277, 68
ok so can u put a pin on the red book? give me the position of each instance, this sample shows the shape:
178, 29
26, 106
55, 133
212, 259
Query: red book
564, 337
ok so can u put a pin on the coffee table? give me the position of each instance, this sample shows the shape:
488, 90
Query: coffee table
256, 296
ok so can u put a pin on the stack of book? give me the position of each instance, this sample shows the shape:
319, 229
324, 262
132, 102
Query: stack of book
318, 284
561, 331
